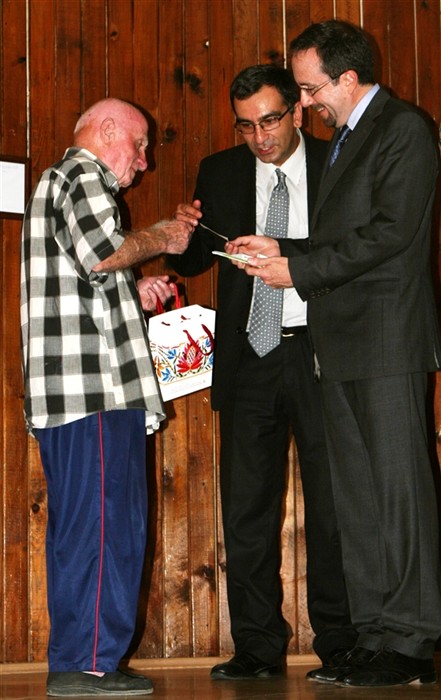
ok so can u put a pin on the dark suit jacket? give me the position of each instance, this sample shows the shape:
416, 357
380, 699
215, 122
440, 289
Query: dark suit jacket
371, 308
226, 186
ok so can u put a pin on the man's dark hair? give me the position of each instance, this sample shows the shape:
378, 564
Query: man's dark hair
341, 46
252, 79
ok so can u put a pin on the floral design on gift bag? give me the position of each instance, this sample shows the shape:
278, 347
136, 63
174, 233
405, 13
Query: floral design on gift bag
192, 356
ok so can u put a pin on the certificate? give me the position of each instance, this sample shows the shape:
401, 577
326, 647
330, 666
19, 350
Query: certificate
13, 186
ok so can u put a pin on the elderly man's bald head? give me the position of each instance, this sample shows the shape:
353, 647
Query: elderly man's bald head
109, 107
116, 132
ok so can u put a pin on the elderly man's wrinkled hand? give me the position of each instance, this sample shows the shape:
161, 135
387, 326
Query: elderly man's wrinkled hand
175, 234
150, 289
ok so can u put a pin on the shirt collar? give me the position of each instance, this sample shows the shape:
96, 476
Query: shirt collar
108, 174
361, 107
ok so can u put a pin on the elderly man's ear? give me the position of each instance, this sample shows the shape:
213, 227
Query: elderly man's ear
107, 130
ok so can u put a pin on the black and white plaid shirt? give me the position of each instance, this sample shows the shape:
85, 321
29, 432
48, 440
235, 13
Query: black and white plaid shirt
84, 338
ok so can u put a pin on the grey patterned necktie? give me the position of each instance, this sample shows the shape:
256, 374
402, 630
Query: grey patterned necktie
265, 325
344, 133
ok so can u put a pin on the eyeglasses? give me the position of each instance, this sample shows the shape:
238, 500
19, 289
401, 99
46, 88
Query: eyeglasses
314, 90
266, 124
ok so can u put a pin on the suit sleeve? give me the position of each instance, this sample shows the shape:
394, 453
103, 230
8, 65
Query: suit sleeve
199, 255
226, 188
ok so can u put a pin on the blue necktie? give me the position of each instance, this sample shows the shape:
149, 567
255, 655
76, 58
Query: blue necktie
344, 133
265, 325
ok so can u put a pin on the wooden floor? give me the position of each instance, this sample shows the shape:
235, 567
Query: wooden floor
190, 680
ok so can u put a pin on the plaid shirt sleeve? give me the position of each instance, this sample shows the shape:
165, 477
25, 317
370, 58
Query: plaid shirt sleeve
92, 230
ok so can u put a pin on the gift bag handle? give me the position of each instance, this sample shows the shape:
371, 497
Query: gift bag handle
177, 301
195, 345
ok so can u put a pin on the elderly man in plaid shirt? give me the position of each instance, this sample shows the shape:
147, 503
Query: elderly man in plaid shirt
91, 393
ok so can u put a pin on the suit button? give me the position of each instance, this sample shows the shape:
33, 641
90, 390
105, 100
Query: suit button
239, 330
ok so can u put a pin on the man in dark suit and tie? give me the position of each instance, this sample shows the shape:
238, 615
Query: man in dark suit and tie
374, 327
265, 387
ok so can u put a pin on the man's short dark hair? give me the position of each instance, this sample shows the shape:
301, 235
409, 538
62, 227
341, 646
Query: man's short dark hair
252, 79
341, 46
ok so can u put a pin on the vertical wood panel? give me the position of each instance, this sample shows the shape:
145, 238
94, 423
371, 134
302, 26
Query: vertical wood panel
349, 10
145, 210
202, 482
428, 57
299, 15
375, 22
4, 510
222, 132
42, 67
67, 84
175, 525
13, 492
13, 78
271, 40
145, 206
120, 67
43, 151
245, 34
176, 58
38, 613
402, 63
320, 11
93, 43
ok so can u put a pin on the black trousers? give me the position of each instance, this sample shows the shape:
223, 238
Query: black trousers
271, 396
386, 508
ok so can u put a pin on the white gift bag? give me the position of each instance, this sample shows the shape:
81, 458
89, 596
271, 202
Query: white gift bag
182, 346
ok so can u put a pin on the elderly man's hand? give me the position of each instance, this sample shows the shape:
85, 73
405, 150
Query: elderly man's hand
175, 234
150, 289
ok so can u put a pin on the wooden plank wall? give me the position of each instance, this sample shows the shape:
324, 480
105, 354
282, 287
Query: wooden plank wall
176, 58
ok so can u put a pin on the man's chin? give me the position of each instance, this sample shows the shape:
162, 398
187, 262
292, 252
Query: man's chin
266, 156
327, 119
125, 182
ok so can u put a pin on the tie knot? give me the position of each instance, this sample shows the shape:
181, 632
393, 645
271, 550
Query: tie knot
344, 133
281, 177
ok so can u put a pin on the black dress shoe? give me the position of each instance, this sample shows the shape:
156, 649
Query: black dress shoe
389, 667
77, 683
244, 666
340, 663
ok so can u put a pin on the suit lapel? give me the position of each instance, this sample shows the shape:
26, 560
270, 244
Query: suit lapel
246, 192
350, 150
314, 167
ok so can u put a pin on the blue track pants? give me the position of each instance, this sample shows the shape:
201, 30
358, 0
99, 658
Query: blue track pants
97, 516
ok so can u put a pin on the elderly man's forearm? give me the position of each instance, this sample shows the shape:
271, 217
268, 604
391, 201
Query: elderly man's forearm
163, 237
137, 247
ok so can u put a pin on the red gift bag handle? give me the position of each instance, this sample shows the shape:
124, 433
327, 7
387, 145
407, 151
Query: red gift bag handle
177, 301
191, 341
195, 345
